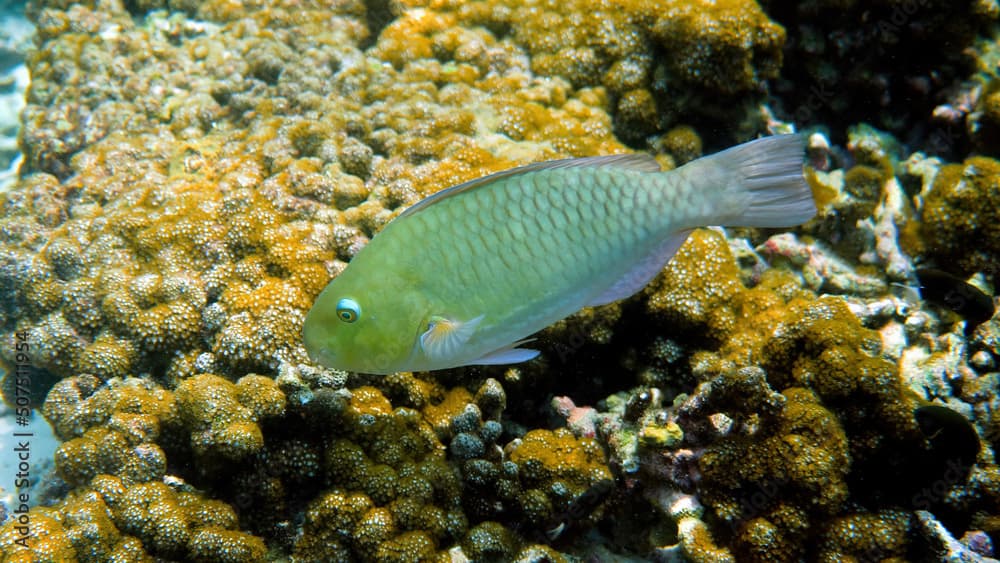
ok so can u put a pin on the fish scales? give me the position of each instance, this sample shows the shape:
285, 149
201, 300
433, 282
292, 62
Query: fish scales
554, 257
461, 276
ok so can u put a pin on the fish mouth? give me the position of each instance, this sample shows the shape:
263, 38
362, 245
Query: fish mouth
320, 355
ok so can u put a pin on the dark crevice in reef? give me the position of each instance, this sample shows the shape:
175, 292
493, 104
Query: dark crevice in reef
378, 14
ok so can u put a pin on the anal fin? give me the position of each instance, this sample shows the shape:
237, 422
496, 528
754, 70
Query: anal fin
509, 354
643, 271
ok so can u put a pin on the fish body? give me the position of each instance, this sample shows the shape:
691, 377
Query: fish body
463, 276
956, 294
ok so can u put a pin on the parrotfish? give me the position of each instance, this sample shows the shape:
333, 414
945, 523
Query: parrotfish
466, 275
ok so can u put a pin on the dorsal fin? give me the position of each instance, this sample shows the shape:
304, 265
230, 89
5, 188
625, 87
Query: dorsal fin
639, 162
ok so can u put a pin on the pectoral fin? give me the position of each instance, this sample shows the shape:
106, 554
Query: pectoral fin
445, 337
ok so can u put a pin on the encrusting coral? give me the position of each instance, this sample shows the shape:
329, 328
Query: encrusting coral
801, 458
798, 423
223, 417
205, 227
194, 178
960, 218
377, 479
112, 521
180, 209
661, 62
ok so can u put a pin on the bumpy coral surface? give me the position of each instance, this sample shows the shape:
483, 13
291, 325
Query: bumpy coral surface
190, 185
195, 173
961, 218
110, 521
887, 62
663, 63
804, 422
188, 232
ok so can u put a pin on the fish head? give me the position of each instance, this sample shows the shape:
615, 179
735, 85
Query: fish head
365, 324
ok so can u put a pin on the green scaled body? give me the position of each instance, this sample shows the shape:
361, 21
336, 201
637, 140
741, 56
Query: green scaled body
464, 275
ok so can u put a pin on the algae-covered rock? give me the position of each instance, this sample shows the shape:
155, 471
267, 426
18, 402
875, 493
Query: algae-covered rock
960, 227
799, 466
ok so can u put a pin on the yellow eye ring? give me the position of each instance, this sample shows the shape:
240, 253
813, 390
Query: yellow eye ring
348, 310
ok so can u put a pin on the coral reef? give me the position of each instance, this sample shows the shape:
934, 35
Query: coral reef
959, 219
391, 483
804, 456
176, 231
663, 64
798, 431
195, 173
380, 483
223, 417
840, 406
189, 186
887, 63
111, 521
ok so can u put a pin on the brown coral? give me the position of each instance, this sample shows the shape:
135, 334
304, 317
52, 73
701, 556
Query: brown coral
392, 487
772, 487
112, 521
661, 62
842, 427
961, 224
220, 422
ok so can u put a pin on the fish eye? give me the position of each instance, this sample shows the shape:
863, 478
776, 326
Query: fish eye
348, 310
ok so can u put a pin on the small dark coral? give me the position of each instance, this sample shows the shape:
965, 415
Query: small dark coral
794, 467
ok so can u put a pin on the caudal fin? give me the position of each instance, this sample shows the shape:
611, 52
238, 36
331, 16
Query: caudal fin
766, 176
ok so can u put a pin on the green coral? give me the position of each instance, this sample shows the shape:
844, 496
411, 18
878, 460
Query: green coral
220, 424
797, 463
960, 225
111, 521
555, 469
